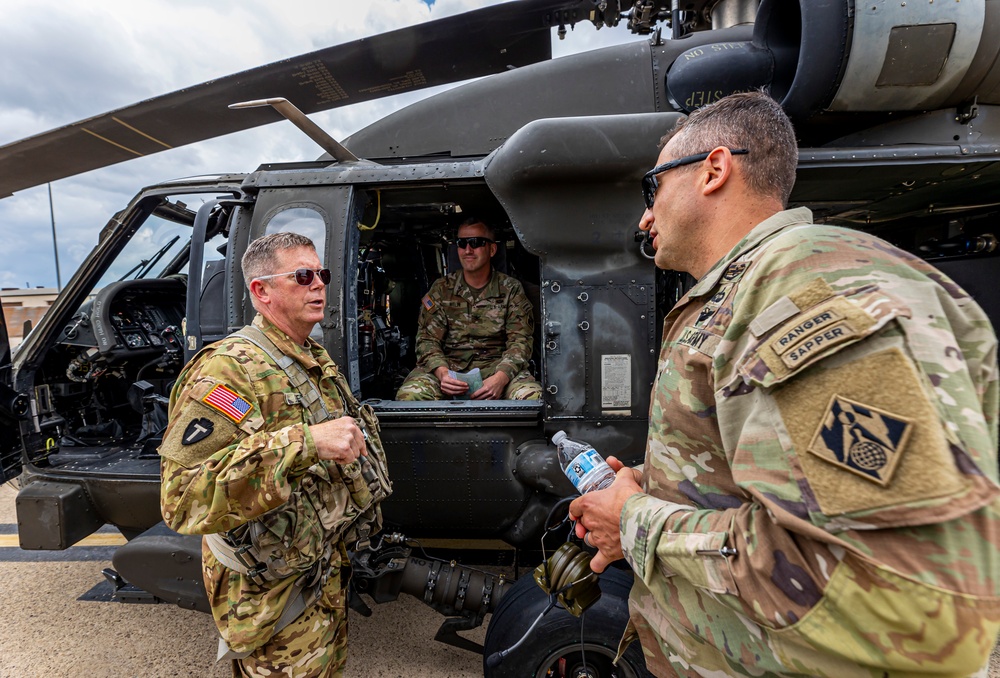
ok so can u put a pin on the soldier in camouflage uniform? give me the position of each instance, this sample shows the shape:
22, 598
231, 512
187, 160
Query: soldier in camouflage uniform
238, 448
819, 495
476, 317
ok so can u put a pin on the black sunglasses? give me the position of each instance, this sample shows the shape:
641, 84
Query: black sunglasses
649, 183
303, 276
475, 242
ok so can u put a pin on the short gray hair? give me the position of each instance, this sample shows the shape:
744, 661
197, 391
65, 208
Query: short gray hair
476, 221
750, 120
261, 256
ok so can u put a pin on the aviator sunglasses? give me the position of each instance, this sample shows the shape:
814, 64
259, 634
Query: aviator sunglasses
649, 183
303, 276
474, 242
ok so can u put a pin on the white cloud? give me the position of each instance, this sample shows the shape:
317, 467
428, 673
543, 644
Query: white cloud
61, 62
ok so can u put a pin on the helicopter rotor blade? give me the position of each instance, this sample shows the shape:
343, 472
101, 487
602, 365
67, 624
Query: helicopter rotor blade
447, 50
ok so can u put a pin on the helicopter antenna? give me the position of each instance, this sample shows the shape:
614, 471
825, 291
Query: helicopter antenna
300, 120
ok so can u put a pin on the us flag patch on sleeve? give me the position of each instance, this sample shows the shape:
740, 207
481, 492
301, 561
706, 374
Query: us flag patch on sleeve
428, 303
228, 402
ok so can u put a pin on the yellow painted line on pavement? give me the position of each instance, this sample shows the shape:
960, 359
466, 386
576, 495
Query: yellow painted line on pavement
10, 540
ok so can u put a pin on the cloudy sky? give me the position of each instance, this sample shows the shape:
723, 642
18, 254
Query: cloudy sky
65, 61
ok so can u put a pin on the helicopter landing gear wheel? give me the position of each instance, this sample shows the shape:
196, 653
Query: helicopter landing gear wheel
553, 649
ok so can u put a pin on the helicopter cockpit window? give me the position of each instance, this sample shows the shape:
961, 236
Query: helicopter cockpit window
148, 253
154, 249
305, 221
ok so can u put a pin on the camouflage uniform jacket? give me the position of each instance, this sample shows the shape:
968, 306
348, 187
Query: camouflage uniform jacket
820, 483
460, 331
256, 461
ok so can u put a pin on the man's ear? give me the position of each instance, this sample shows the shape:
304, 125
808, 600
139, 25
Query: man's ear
718, 167
260, 292
493, 249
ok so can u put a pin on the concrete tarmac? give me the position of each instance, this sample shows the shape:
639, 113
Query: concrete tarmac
46, 630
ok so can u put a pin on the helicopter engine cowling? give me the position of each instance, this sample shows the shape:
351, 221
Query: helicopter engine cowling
836, 57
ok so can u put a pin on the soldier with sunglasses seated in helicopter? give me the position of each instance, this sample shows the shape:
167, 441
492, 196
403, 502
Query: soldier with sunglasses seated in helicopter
474, 318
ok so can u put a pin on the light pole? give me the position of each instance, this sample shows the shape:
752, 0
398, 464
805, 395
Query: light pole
55, 246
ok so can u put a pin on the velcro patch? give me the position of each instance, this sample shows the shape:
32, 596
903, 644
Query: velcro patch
844, 420
228, 402
198, 429
184, 442
700, 340
861, 439
707, 312
808, 337
734, 271
778, 312
428, 303
790, 337
819, 340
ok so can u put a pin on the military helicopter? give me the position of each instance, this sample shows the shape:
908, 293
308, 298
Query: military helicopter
893, 104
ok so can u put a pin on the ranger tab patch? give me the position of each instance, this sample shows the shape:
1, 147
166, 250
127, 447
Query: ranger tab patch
228, 402
864, 440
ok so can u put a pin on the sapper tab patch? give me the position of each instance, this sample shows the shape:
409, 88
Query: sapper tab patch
198, 429
862, 439
228, 402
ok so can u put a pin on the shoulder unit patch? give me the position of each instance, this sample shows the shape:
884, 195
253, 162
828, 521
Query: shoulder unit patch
228, 402
197, 430
861, 439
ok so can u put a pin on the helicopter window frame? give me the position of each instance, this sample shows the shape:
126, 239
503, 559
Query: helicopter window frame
272, 215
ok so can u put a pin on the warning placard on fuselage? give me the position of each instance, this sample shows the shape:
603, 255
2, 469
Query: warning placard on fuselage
616, 384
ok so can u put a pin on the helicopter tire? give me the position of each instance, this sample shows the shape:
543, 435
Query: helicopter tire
553, 649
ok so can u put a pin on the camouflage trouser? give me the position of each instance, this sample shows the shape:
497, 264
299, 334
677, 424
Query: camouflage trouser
312, 646
421, 385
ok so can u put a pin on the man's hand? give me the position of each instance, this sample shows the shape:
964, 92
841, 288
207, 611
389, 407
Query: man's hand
450, 385
597, 515
492, 387
339, 440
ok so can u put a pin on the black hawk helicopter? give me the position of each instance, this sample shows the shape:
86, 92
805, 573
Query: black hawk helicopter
893, 103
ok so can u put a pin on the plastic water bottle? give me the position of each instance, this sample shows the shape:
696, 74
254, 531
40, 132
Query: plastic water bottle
582, 464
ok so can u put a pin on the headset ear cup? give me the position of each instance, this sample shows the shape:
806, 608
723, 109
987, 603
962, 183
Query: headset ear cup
567, 574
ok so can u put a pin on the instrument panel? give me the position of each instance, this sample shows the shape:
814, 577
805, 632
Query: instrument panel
138, 315
140, 318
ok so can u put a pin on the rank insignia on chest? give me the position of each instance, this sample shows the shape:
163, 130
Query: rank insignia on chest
734, 271
228, 402
198, 429
861, 439
706, 312
428, 303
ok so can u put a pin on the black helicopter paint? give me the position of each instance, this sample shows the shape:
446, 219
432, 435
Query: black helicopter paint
896, 109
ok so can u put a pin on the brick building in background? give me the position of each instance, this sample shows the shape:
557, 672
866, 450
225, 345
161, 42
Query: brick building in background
24, 305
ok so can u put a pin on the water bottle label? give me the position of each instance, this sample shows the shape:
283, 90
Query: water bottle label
587, 470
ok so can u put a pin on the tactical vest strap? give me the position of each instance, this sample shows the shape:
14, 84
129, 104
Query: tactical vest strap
297, 375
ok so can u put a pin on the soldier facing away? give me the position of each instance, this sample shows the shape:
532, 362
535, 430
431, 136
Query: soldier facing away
819, 495
266, 450
474, 318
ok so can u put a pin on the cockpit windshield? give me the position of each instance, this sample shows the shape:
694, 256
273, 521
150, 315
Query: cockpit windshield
154, 248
